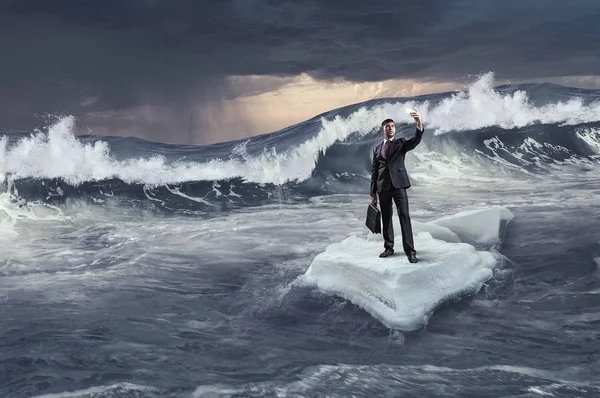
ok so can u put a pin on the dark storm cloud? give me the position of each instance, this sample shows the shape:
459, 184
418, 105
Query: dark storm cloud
89, 57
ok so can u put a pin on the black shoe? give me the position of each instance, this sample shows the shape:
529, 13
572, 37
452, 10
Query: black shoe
387, 252
412, 257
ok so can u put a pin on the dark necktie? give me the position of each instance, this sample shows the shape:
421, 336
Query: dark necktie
386, 148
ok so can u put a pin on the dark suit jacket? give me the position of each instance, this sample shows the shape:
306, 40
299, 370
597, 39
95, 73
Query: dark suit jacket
391, 171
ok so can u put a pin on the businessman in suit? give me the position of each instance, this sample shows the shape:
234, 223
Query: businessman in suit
389, 180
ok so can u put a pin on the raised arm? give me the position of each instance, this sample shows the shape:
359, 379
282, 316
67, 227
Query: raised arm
411, 143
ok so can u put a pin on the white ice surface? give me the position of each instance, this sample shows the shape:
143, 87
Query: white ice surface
482, 226
403, 295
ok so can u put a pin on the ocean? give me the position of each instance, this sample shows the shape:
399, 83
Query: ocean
131, 268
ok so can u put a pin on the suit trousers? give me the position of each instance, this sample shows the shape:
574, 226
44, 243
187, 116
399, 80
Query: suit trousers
399, 196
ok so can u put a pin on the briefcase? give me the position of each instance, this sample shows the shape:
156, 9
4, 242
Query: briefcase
373, 219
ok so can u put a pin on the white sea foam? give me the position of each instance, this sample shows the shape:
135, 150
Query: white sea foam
591, 137
118, 389
481, 106
394, 380
13, 208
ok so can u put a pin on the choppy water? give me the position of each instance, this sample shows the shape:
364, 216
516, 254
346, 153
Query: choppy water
135, 269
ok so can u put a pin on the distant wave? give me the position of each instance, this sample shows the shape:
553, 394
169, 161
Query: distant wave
523, 127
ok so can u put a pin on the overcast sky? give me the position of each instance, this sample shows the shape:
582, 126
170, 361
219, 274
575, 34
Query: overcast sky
244, 67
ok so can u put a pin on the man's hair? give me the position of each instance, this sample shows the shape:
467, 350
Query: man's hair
386, 121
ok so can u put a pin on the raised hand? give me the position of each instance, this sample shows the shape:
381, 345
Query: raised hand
415, 115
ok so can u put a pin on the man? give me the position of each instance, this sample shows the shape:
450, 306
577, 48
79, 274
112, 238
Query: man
390, 180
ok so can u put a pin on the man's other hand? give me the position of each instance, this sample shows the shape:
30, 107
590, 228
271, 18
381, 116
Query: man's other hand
374, 200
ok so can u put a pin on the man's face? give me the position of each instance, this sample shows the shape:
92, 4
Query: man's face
389, 129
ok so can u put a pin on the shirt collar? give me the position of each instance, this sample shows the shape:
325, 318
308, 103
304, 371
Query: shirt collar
386, 140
